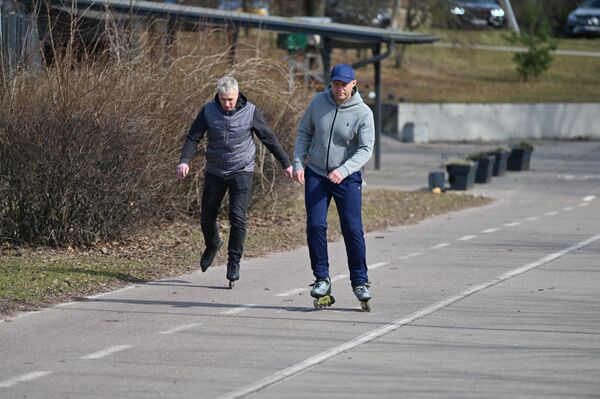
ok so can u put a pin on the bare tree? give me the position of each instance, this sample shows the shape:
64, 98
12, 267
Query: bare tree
416, 14
315, 8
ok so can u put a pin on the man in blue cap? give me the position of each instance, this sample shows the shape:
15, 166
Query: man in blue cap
335, 140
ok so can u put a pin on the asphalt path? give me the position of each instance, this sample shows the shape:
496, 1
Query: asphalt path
496, 301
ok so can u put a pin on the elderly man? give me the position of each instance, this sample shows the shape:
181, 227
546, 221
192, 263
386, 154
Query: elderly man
335, 140
229, 121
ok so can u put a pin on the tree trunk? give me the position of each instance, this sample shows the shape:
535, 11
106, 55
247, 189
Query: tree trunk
315, 8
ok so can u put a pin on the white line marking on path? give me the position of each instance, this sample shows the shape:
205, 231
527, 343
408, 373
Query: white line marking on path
567, 208
492, 230
106, 352
466, 238
411, 255
129, 287
377, 265
339, 277
552, 213
440, 245
531, 219
511, 224
23, 378
239, 309
292, 292
96, 296
589, 198
179, 329
395, 325
584, 204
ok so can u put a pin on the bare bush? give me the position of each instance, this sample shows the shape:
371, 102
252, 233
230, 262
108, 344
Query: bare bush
88, 149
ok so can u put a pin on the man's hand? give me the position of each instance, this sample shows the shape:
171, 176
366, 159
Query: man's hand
182, 170
288, 172
299, 176
335, 177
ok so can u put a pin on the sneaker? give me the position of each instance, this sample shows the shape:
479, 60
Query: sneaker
362, 292
208, 256
233, 270
320, 288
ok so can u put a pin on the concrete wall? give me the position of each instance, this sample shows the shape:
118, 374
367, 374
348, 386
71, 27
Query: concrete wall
493, 122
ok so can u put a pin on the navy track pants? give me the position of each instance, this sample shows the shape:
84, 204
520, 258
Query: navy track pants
348, 200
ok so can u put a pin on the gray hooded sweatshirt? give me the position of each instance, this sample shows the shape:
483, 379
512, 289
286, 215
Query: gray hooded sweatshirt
332, 136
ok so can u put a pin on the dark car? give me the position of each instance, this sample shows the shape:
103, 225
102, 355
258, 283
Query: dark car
476, 13
357, 13
585, 19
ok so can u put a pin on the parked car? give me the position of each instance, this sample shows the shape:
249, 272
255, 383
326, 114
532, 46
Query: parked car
476, 13
585, 19
253, 6
357, 13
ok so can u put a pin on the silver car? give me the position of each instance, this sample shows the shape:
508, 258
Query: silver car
585, 19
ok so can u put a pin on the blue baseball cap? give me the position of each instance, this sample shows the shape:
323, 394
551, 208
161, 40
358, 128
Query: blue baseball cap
343, 73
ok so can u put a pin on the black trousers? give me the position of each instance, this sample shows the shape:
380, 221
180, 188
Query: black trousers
239, 186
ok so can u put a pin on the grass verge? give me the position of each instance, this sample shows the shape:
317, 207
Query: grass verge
31, 278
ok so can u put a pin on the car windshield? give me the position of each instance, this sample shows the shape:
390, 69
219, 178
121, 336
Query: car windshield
591, 4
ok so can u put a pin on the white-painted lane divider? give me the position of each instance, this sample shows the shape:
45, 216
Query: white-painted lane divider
377, 265
489, 231
567, 208
292, 292
589, 198
106, 352
440, 245
339, 277
511, 224
531, 219
103, 294
179, 329
300, 367
552, 213
23, 378
239, 309
410, 255
466, 238
584, 204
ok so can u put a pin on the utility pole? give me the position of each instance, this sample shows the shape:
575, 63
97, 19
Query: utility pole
511, 16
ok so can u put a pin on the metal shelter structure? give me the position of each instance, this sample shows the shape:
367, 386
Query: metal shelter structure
334, 35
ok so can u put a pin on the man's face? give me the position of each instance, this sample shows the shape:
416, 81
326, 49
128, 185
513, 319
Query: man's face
228, 100
341, 90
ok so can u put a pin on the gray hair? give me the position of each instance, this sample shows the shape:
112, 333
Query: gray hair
227, 84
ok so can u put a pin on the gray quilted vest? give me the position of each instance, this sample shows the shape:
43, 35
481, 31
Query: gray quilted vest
230, 144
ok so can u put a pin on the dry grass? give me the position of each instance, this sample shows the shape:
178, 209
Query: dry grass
464, 74
434, 74
88, 149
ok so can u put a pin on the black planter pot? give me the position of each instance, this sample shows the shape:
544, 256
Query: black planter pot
461, 177
519, 159
485, 169
500, 162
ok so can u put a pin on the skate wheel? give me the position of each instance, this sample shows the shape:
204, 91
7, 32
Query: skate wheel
316, 303
231, 284
365, 306
324, 302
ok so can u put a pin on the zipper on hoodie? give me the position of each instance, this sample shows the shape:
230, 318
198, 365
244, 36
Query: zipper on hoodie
337, 107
